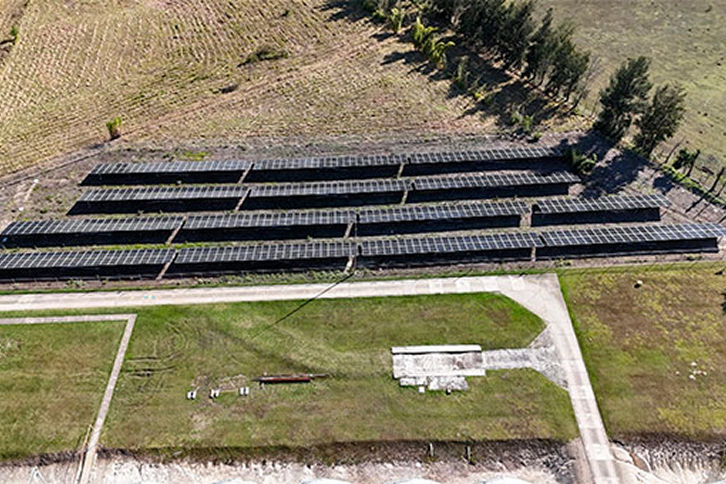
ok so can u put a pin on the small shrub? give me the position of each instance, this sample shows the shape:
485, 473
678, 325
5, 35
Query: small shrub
380, 15
370, 5
14, 34
523, 121
580, 163
114, 128
461, 75
686, 159
265, 53
395, 19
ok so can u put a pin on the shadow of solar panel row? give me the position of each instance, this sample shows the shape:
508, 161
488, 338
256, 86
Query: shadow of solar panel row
630, 240
323, 168
160, 199
221, 171
609, 209
84, 264
411, 251
105, 231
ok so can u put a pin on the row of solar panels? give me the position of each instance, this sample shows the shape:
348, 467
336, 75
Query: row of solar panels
627, 240
322, 194
320, 168
300, 224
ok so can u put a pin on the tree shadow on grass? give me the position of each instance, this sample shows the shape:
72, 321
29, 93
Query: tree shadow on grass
345, 10
615, 169
502, 91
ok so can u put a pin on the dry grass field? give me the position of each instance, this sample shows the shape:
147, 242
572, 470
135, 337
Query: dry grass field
173, 70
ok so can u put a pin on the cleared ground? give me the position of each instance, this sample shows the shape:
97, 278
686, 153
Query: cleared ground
656, 354
687, 42
51, 383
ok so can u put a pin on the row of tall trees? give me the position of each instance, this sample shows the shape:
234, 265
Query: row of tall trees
627, 101
546, 54
543, 52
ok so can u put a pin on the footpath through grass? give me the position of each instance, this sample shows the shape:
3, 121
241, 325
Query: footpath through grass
175, 349
52, 378
656, 354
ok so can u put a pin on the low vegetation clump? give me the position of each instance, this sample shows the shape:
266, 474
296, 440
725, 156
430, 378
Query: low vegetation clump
114, 128
579, 162
265, 53
425, 39
14, 34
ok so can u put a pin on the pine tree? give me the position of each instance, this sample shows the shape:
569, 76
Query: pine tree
563, 49
515, 33
686, 159
444, 10
541, 50
661, 118
625, 97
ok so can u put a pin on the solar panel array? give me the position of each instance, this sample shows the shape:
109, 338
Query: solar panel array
170, 167
355, 180
349, 187
266, 252
443, 245
270, 219
601, 204
441, 212
502, 154
78, 259
491, 181
83, 226
631, 234
163, 193
296, 253
327, 162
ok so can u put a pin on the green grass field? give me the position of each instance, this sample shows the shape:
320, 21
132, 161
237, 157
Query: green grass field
175, 349
52, 378
687, 42
640, 347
